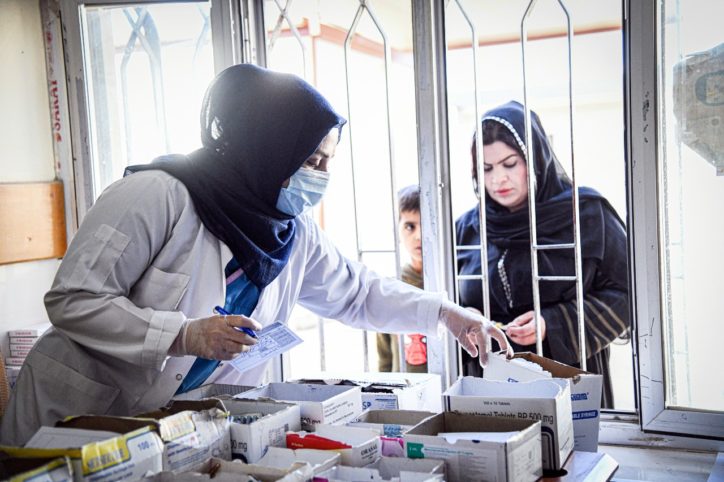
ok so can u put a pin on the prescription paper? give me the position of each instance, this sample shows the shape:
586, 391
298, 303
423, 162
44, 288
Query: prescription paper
273, 340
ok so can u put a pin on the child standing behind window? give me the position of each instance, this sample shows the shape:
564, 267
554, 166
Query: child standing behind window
410, 234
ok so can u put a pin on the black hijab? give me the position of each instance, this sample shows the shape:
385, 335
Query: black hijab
257, 129
553, 194
509, 232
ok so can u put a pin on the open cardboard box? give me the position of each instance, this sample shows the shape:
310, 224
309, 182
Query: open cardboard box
487, 448
388, 390
318, 404
213, 390
50, 469
193, 431
585, 391
390, 424
388, 469
100, 448
357, 446
547, 401
250, 441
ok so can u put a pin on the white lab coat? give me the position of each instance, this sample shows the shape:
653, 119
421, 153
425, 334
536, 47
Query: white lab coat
142, 263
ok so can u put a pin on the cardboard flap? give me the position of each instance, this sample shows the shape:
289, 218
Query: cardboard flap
177, 406
12, 466
298, 392
396, 417
546, 389
460, 422
283, 457
119, 425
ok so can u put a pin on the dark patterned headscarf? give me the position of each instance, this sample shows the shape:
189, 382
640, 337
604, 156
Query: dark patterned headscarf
257, 129
553, 194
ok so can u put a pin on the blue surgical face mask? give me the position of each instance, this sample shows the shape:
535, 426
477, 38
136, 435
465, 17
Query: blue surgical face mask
306, 188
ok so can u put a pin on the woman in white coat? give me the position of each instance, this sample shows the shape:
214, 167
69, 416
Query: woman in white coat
132, 300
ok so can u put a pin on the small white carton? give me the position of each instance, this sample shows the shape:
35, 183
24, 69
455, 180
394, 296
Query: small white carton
388, 469
217, 390
193, 432
389, 390
357, 446
547, 401
318, 404
250, 441
101, 449
585, 390
476, 447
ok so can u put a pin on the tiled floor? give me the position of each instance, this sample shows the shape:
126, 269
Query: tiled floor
660, 464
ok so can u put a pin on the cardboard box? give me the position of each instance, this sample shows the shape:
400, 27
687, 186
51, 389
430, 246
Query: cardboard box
318, 404
213, 390
218, 470
547, 401
357, 446
585, 391
507, 449
54, 469
250, 441
388, 391
193, 432
34, 330
390, 424
138, 451
319, 460
386, 468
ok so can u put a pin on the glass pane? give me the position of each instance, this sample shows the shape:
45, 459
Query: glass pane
309, 42
147, 69
691, 184
598, 130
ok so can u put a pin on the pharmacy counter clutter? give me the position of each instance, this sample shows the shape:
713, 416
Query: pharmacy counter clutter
517, 424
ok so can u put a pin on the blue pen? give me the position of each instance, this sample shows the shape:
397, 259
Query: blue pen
248, 331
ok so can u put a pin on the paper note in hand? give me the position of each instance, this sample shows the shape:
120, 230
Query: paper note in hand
272, 340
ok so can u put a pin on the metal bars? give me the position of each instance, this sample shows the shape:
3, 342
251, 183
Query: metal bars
363, 5
428, 17
534, 246
483, 246
284, 16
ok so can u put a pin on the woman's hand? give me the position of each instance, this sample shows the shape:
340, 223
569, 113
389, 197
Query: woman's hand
215, 337
522, 329
473, 331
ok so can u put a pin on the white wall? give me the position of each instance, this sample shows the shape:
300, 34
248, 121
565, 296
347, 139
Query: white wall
26, 152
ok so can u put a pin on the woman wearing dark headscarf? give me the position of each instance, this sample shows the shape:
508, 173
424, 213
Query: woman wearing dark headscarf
132, 301
603, 242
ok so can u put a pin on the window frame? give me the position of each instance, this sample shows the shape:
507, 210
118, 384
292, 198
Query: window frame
236, 38
227, 41
643, 178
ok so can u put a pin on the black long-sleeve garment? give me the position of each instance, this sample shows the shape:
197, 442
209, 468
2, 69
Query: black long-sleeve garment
605, 289
604, 259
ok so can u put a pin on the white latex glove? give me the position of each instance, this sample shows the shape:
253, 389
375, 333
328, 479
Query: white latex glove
472, 331
215, 337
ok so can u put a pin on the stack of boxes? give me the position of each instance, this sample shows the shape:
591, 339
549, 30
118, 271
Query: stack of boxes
478, 429
21, 341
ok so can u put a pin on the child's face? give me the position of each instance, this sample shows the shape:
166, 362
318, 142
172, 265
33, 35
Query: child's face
411, 235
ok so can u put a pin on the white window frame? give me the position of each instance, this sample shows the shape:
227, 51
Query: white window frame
227, 40
643, 139
238, 38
